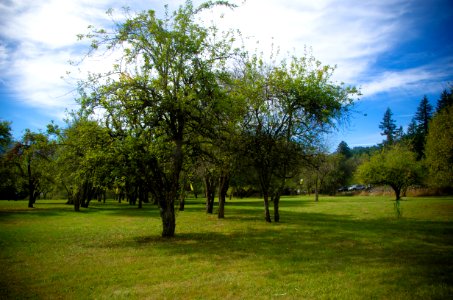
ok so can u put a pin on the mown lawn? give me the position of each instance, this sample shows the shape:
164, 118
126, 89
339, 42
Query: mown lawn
339, 248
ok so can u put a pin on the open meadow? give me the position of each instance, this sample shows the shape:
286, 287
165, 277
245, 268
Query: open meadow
338, 248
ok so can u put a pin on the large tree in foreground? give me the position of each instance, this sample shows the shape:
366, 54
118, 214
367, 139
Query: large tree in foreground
163, 93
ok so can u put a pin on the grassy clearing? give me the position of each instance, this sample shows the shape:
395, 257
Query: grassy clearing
341, 247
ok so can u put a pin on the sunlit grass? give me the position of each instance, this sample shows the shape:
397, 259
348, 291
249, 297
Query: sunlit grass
341, 247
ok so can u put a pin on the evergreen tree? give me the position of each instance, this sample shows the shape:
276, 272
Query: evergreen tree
344, 149
388, 127
423, 116
419, 126
446, 100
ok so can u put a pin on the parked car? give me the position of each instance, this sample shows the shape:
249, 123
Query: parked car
343, 189
356, 187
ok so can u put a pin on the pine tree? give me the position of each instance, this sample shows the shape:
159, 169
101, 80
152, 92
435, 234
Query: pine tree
419, 126
446, 100
344, 149
388, 127
423, 116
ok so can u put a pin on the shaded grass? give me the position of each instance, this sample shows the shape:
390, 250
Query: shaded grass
343, 247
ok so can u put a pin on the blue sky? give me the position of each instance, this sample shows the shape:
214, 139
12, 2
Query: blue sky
396, 51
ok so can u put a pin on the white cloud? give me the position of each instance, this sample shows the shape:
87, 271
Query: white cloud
348, 34
424, 79
39, 37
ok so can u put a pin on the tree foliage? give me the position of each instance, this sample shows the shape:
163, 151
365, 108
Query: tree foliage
163, 94
396, 166
445, 100
439, 149
84, 161
418, 128
31, 159
343, 149
388, 127
289, 106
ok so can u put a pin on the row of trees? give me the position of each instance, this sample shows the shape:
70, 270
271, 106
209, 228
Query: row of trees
182, 106
420, 155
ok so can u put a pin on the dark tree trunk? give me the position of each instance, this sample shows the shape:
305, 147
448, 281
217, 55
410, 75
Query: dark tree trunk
146, 196
182, 194
133, 193
182, 198
224, 183
84, 195
167, 208
267, 215
167, 214
87, 194
316, 190
182, 203
70, 198
276, 200
31, 186
31, 200
397, 191
77, 201
210, 192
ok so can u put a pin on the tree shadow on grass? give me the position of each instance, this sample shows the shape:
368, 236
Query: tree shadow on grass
314, 242
424, 253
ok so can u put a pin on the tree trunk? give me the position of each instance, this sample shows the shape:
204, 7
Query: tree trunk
316, 190
87, 195
31, 200
70, 196
210, 193
182, 194
167, 207
182, 197
77, 201
167, 213
224, 182
276, 200
140, 202
267, 215
397, 191
182, 203
31, 186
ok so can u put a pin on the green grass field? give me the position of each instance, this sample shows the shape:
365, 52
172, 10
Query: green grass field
339, 248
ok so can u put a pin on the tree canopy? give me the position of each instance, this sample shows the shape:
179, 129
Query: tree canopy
395, 166
163, 94
439, 149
